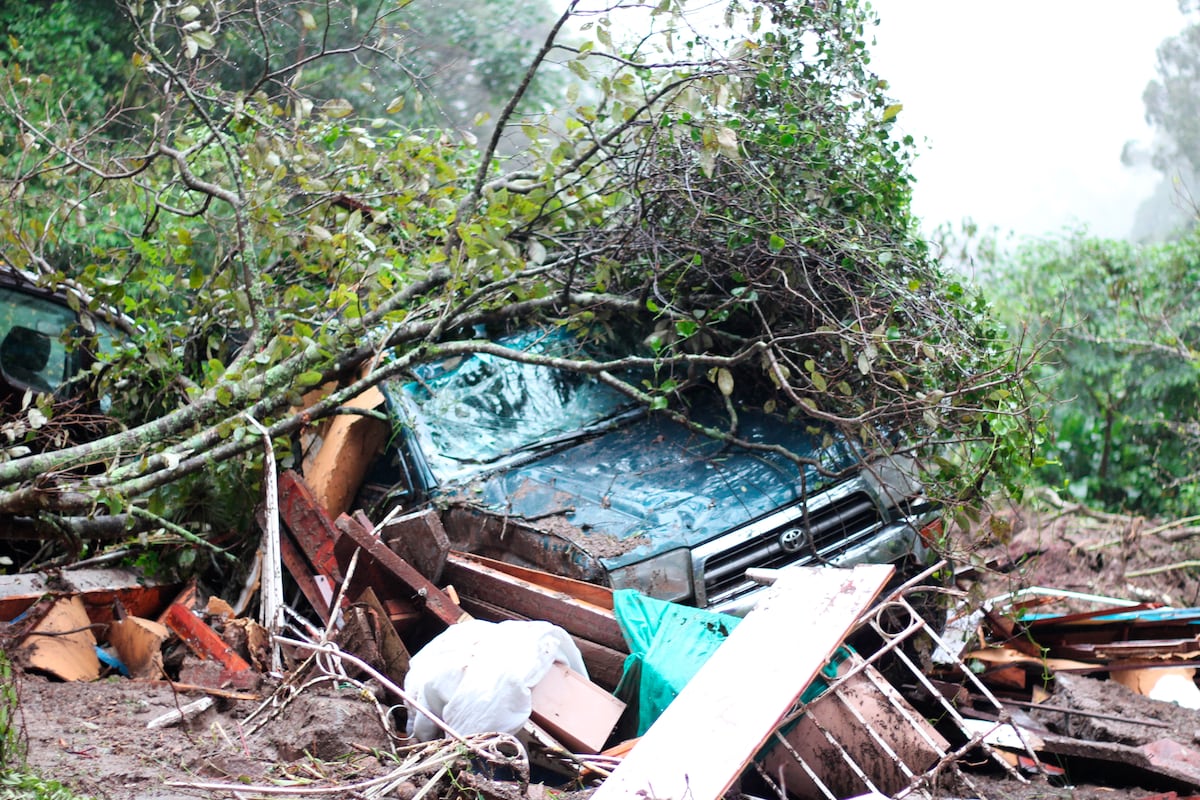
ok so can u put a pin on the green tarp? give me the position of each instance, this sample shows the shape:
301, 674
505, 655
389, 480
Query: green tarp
668, 644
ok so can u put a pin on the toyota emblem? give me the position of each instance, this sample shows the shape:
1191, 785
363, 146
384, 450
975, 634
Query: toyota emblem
791, 540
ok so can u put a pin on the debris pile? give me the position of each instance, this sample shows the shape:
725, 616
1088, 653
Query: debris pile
503, 679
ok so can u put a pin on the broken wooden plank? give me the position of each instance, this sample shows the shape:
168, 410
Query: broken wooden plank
747, 687
419, 589
185, 712
62, 643
595, 594
139, 644
1142, 765
203, 640
471, 577
348, 445
393, 656
309, 524
419, 539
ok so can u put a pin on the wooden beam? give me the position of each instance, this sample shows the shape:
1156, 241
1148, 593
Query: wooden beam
203, 640
595, 594
349, 444
748, 685
419, 589
533, 601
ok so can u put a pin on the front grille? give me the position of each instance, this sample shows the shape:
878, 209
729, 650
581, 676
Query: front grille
835, 527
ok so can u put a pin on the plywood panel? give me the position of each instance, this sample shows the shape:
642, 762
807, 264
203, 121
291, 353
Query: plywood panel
721, 719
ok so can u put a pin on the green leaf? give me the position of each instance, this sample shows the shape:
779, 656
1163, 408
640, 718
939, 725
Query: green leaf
776, 243
891, 111
337, 108
310, 378
204, 40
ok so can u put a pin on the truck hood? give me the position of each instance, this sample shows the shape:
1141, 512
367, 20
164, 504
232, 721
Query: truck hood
654, 485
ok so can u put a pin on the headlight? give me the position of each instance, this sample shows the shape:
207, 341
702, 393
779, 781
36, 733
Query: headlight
666, 577
893, 479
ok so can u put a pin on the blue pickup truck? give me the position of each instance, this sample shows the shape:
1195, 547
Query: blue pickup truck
558, 471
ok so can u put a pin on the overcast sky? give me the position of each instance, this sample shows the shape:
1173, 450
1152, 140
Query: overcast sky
1025, 106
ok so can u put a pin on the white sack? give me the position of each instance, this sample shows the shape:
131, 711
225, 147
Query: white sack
476, 675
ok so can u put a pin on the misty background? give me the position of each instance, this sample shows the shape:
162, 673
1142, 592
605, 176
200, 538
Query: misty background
1023, 108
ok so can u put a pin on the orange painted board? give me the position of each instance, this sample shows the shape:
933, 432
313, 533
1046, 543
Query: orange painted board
203, 640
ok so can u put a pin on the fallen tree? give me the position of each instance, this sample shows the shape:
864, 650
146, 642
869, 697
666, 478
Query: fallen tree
736, 198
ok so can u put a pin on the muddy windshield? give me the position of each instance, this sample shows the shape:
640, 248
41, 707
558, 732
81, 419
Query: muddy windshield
472, 411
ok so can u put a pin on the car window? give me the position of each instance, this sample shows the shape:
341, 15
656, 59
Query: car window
32, 353
474, 410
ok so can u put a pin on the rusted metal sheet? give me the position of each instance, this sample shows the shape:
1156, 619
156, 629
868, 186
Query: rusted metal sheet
310, 524
98, 589
533, 601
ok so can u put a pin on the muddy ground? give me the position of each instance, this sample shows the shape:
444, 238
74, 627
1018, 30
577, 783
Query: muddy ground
94, 736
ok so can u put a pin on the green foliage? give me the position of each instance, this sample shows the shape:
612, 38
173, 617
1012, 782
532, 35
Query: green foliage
1121, 364
742, 204
59, 52
12, 740
20, 785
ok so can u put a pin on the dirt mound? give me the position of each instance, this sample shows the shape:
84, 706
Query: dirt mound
94, 737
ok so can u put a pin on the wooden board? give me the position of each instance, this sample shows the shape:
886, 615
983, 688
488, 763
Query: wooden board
349, 444
722, 718
62, 643
419, 539
203, 640
139, 644
471, 577
417, 588
601, 596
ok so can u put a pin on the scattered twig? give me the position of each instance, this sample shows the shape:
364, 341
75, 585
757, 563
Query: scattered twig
1141, 573
188, 711
434, 758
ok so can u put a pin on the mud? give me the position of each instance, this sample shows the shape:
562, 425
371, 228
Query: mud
93, 736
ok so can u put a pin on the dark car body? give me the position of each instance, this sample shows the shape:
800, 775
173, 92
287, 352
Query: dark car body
39, 338
557, 471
